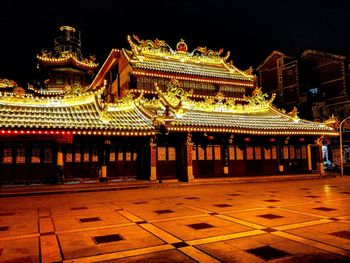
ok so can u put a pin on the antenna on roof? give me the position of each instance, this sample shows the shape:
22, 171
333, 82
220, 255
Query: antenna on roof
69, 41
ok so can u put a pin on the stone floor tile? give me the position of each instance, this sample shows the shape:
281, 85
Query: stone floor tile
182, 227
81, 244
20, 250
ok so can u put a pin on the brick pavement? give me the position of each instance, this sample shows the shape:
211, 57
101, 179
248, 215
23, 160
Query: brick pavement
292, 221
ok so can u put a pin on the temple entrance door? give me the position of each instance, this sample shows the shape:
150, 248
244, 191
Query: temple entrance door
315, 156
122, 162
166, 162
7, 160
24, 162
207, 161
41, 162
82, 161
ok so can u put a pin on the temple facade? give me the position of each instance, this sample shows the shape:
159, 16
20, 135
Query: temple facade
150, 112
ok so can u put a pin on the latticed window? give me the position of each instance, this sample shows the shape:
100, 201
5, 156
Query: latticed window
274, 152
231, 153
217, 152
112, 154
161, 153
77, 155
128, 155
250, 153
95, 154
69, 155
86, 155
120, 154
285, 152
267, 154
21, 155
35, 158
7, 159
171, 153
209, 152
47, 155
239, 153
257, 152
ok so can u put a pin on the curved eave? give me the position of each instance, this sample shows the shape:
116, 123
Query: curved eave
136, 61
182, 128
67, 61
69, 132
166, 74
264, 121
52, 102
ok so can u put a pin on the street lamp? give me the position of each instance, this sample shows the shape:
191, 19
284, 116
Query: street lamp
341, 146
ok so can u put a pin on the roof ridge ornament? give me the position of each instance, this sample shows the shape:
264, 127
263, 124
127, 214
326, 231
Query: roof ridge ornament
181, 46
210, 52
137, 45
332, 121
293, 113
7, 83
160, 48
258, 98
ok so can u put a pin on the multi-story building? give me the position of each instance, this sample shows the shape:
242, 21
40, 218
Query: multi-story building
315, 82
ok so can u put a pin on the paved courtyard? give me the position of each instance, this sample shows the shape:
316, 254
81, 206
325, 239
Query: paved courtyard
292, 221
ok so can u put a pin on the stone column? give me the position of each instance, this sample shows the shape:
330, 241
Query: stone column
320, 165
281, 159
309, 160
59, 155
188, 155
153, 160
103, 175
225, 156
59, 173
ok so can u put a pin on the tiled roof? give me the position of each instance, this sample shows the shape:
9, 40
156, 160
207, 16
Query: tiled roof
79, 113
187, 67
158, 56
257, 116
264, 122
86, 113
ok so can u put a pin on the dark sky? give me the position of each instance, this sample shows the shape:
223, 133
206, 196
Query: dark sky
249, 29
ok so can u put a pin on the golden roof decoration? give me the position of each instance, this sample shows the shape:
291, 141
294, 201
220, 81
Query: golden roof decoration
74, 89
180, 101
160, 47
64, 57
7, 83
158, 55
334, 123
294, 113
45, 91
258, 98
126, 102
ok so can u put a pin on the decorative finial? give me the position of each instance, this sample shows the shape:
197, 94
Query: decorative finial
181, 46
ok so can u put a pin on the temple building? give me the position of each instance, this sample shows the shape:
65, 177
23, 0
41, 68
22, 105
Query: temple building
151, 112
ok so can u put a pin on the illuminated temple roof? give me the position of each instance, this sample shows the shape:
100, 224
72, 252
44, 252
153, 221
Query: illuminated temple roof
67, 58
88, 114
258, 116
67, 52
84, 114
157, 56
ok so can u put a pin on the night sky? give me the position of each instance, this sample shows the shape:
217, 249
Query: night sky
249, 29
